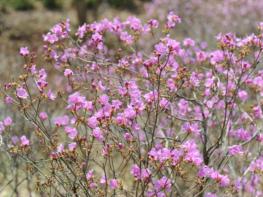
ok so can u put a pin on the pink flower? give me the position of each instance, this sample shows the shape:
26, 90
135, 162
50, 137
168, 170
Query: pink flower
21, 93
60, 148
104, 99
260, 137
93, 122
172, 20
98, 134
209, 194
114, 184
134, 23
58, 32
15, 139
164, 103
41, 84
72, 132
24, 51
51, 38
24, 141
128, 137
183, 107
216, 57
146, 174
260, 26
153, 23
127, 38
140, 174
191, 128
173, 45
163, 184
8, 100
235, 150
88, 105
150, 97
116, 104
68, 72
76, 101
136, 171
201, 56
205, 171
90, 175
160, 49
2, 127
8, 121
43, 115
245, 65
170, 84
188, 42
129, 113
257, 112
241, 134
209, 82
150, 62
72, 146
242, 95
160, 154
257, 165
228, 39
224, 181
192, 153
208, 172
61, 120
82, 31
103, 180
92, 185
51, 95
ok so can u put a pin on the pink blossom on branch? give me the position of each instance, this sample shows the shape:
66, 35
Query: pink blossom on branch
24, 51
21, 93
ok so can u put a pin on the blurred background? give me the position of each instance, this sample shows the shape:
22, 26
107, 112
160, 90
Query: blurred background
22, 22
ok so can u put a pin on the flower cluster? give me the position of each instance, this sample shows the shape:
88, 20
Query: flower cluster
207, 172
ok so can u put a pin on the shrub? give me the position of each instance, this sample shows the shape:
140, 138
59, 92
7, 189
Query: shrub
208, 18
180, 120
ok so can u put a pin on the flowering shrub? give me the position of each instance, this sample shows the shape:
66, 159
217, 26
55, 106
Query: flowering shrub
115, 120
203, 19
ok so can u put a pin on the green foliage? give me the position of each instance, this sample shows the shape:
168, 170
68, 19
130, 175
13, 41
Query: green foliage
52, 4
57, 4
93, 3
129, 4
18, 4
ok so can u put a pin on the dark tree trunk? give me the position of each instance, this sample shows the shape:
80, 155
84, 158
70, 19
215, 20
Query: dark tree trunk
81, 9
